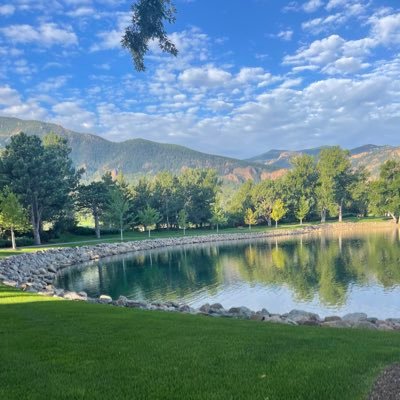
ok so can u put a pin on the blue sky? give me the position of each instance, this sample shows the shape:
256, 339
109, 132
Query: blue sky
251, 75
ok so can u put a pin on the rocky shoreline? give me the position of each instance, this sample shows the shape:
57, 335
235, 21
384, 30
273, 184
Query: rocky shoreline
36, 272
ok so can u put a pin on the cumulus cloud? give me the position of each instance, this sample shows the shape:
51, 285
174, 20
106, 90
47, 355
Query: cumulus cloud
7, 10
207, 76
46, 34
312, 5
386, 29
12, 105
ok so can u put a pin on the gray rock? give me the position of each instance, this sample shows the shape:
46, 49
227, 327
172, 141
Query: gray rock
332, 318
216, 308
355, 317
336, 324
303, 317
185, 308
241, 312
139, 304
122, 300
104, 299
205, 308
363, 324
73, 296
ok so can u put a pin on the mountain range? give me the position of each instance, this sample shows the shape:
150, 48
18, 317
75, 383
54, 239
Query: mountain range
138, 157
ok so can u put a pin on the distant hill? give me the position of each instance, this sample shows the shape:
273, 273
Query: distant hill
136, 157
369, 156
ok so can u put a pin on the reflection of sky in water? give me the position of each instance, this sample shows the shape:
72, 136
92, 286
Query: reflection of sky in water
325, 274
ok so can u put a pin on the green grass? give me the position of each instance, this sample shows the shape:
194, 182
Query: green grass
70, 240
54, 349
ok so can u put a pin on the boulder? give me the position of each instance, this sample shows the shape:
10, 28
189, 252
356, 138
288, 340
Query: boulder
216, 308
122, 300
205, 308
336, 324
185, 308
105, 299
241, 312
303, 317
332, 318
73, 296
355, 317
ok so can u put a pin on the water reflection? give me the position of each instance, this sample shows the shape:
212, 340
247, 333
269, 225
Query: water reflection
325, 273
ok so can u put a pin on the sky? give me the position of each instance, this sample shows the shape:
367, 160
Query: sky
250, 76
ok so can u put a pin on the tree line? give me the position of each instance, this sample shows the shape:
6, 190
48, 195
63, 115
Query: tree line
41, 190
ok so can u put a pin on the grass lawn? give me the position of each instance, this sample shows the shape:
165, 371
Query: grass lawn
54, 349
70, 240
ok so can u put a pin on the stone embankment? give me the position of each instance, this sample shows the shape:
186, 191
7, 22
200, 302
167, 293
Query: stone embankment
36, 272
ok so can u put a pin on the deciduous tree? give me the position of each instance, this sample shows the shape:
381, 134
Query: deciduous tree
13, 216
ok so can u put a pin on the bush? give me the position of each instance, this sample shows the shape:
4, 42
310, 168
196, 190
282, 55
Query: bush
81, 230
21, 241
86, 231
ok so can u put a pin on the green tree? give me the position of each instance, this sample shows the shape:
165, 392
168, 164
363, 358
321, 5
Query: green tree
218, 215
95, 198
119, 205
166, 197
250, 218
41, 175
13, 216
303, 208
183, 220
198, 190
148, 19
359, 190
385, 192
263, 196
300, 181
148, 218
240, 201
278, 211
335, 177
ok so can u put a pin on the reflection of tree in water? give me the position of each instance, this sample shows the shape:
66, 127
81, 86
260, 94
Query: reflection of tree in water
325, 265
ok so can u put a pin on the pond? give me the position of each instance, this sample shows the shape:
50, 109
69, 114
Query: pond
333, 273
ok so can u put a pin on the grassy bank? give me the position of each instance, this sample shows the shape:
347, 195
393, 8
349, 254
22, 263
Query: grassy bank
57, 349
70, 240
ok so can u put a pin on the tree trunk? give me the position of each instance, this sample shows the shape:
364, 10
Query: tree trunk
184, 231
96, 223
301, 221
35, 219
13, 243
269, 221
323, 216
217, 228
276, 223
121, 228
341, 211
149, 232
395, 218
249, 227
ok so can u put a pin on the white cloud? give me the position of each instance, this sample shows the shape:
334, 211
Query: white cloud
386, 29
312, 5
285, 35
12, 105
318, 25
71, 114
7, 10
207, 76
46, 34
81, 12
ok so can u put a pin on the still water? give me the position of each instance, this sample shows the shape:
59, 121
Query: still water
324, 273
